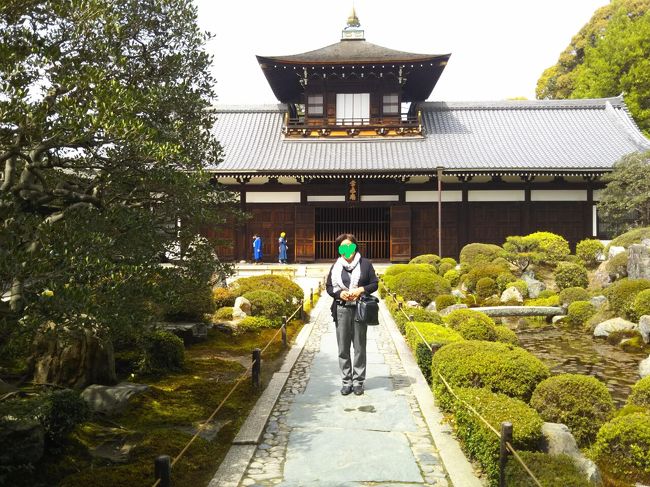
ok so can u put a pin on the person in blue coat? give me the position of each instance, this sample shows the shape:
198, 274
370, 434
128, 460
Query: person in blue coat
282, 248
257, 249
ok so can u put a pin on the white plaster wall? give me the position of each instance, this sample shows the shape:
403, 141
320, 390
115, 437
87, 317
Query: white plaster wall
272, 197
337, 197
504, 195
379, 197
558, 195
432, 196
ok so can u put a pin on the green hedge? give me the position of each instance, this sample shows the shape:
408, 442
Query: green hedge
479, 441
284, 287
432, 259
579, 312
267, 303
472, 325
474, 253
550, 470
499, 367
581, 402
422, 287
571, 294
506, 335
433, 334
569, 274
419, 314
251, 323
640, 395
397, 269
622, 293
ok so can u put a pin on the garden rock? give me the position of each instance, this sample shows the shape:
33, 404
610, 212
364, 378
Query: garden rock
598, 301
431, 306
534, 286
27, 440
188, 332
644, 328
242, 308
644, 367
116, 451
111, 399
601, 276
511, 294
615, 324
451, 308
638, 262
413, 304
557, 318
458, 294
615, 250
558, 440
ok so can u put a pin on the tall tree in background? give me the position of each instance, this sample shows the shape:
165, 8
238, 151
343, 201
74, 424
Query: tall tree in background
105, 133
610, 55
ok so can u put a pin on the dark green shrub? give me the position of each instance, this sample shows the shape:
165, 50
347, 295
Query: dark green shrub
267, 303
622, 448
191, 302
617, 265
571, 294
432, 259
588, 251
422, 287
223, 297
503, 279
506, 335
433, 334
621, 295
163, 352
480, 442
579, 312
482, 270
418, 314
224, 314
634, 236
472, 325
568, 274
60, 412
550, 470
581, 402
641, 304
252, 323
397, 269
640, 395
445, 300
486, 286
499, 367
452, 276
475, 253
284, 287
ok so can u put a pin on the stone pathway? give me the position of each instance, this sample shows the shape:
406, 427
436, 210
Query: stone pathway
316, 437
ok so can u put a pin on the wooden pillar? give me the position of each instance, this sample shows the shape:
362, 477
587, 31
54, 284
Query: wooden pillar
243, 243
526, 213
463, 223
589, 230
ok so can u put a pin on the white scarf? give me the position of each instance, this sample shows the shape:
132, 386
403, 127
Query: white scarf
353, 266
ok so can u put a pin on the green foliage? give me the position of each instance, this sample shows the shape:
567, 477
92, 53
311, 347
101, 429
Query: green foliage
640, 395
191, 301
452, 276
588, 251
499, 367
520, 285
581, 402
617, 265
504, 279
534, 248
433, 334
579, 312
419, 314
480, 441
641, 304
475, 253
550, 470
449, 260
422, 287
284, 287
445, 300
571, 294
506, 335
432, 259
223, 314
60, 412
486, 286
549, 299
622, 447
568, 274
252, 323
479, 271
267, 303
445, 267
163, 352
472, 325
223, 297
634, 236
622, 293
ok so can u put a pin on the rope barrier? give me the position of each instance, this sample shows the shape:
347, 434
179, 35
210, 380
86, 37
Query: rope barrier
464, 403
232, 390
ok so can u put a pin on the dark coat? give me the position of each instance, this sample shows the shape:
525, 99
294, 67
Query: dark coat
368, 280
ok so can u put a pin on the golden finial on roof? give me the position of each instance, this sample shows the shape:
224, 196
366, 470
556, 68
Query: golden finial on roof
353, 20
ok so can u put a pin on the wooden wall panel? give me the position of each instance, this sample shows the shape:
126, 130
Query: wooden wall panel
493, 222
400, 233
268, 221
305, 228
565, 218
424, 229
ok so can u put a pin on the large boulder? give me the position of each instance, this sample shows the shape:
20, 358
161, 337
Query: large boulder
451, 308
188, 332
558, 440
431, 306
241, 309
534, 286
615, 250
27, 440
601, 276
644, 328
458, 293
638, 262
511, 295
598, 301
644, 367
413, 304
615, 324
111, 399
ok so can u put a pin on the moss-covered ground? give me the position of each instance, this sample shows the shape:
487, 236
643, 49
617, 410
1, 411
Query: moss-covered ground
163, 419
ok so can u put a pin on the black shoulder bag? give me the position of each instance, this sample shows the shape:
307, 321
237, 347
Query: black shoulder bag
367, 310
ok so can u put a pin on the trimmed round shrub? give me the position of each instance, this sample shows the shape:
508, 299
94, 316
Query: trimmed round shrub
472, 325
452, 276
445, 267
433, 334
422, 287
548, 469
60, 412
581, 402
634, 236
449, 260
500, 367
571, 294
475, 253
589, 250
223, 297
579, 312
224, 313
252, 323
163, 352
622, 448
552, 246
266, 303
432, 259
547, 293
418, 314
486, 286
622, 293
640, 395
568, 274
641, 304
397, 269
482, 270
480, 442
550, 299
617, 265
503, 279
445, 300
284, 287
506, 335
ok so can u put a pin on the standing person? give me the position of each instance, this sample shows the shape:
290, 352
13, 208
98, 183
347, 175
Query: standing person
282, 248
350, 277
257, 249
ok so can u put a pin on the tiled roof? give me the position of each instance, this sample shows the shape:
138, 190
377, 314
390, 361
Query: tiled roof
579, 136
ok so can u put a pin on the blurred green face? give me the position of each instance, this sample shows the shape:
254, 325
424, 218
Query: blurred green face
347, 249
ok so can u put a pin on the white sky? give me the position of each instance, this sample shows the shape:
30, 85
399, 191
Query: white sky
499, 48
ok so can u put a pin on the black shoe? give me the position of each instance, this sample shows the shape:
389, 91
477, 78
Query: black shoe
345, 390
358, 390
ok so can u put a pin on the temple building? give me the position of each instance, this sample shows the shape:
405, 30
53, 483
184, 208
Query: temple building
352, 146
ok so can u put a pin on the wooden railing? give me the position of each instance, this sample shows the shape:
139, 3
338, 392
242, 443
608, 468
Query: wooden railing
349, 127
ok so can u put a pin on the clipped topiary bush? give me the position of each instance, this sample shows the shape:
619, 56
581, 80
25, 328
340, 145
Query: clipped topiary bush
520, 285
224, 313
617, 265
267, 303
475, 253
480, 442
622, 293
549, 299
503, 279
579, 312
568, 274
445, 267
506, 335
552, 246
432, 259
472, 325
445, 300
571, 294
622, 448
223, 297
550, 470
486, 286
397, 269
422, 287
452, 276
252, 323
480, 271
581, 402
499, 367
641, 304
284, 287
418, 314
449, 260
634, 236
433, 334
640, 395
163, 352
589, 250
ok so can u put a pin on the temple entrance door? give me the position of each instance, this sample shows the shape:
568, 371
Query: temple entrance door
400, 233
304, 227
371, 227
